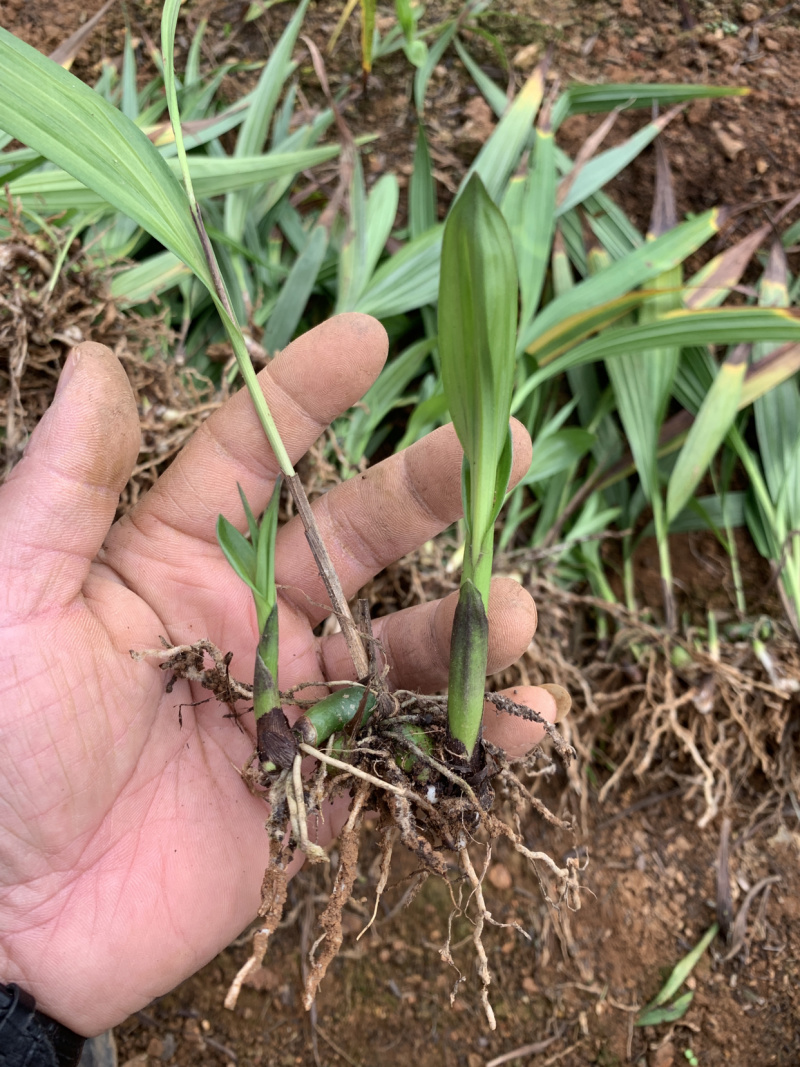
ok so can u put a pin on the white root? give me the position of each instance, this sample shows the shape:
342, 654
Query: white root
387, 846
484, 973
356, 772
299, 816
260, 942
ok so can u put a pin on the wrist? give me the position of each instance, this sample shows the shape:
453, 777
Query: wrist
27, 1036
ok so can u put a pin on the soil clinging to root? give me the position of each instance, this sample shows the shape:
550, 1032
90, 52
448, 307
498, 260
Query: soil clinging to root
404, 767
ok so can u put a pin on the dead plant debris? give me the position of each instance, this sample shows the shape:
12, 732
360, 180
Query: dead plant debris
45, 311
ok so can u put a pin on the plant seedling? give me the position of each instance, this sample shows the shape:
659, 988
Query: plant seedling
254, 562
663, 1009
477, 338
393, 750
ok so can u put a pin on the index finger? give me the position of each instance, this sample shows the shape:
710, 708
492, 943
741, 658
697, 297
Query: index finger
157, 548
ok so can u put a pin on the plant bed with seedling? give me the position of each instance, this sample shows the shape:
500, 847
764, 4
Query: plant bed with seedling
418, 760
515, 329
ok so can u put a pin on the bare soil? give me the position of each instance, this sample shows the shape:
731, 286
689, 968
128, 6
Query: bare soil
570, 995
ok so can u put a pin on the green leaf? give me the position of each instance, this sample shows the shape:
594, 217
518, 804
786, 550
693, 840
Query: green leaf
381, 212
252, 525
295, 292
676, 979
477, 332
557, 452
584, 99
238, 551
635, 269
533, 238
265, 554
422, 213
149, 278
607, 165
495, 97
708, 431
706, 513
500, 156
56, 190
407, 280
435, 53
716, 326
381, 397
253, 133
428, 414
668, 1014
353, 250
50, 110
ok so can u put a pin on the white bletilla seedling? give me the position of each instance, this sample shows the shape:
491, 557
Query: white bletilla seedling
477, 338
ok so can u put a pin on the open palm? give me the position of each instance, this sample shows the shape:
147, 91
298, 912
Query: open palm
130, 850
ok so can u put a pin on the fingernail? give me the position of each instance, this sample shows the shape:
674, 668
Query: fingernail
70, 363
562, 698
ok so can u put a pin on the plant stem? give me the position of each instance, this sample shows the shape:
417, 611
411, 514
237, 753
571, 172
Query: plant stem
221, 299
331, 579
665, 563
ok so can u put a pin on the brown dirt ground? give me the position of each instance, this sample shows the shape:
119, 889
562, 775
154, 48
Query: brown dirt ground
571, 991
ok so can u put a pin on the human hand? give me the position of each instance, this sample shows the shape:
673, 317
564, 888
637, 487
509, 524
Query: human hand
130, 850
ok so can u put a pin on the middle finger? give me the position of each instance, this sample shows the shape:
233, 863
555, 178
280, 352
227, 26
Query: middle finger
377, 517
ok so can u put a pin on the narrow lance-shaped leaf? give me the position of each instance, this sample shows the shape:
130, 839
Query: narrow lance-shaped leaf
499, 157
532, 241
477, 334
609, 164
50, 110
477, 330
679, 974
254, 562
407, 280
716, 326
254, 129
708, 431
642, 383
422, 188
690, 390
295, 292
495, 97
635, 269
59, 191
435, 52
583, 99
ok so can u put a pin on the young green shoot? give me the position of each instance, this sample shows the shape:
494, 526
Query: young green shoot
254, 562
477, 338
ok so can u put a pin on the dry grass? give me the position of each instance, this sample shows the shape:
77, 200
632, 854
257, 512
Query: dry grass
40, 322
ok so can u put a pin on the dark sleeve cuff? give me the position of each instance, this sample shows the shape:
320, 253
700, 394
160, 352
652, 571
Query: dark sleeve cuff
30, 1039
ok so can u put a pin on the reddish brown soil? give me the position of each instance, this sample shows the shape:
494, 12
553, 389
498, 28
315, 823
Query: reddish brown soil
651, 877
650, 891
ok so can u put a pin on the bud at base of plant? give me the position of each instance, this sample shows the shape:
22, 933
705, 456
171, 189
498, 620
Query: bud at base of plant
469, 653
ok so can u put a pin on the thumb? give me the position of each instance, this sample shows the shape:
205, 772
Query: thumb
59, 501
